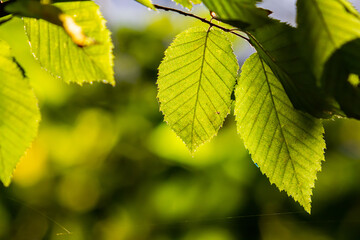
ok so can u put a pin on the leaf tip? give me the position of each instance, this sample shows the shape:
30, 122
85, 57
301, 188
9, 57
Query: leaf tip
307, 208
6, 181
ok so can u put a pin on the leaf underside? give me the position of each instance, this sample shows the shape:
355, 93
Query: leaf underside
196, 79
19, 114
56, 52
285, 143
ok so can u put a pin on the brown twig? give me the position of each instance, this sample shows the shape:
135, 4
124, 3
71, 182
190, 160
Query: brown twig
204, 20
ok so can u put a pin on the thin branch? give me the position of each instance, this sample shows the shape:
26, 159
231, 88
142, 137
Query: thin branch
201, 19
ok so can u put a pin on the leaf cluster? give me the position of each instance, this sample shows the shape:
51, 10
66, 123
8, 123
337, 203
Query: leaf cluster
297, 77
70, 41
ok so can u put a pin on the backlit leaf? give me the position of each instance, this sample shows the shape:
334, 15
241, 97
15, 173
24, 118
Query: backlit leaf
146, 3
196, 79
285, 143
58, 54
188, 3
19, 114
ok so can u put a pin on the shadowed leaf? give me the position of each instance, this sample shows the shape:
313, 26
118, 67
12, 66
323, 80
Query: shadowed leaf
330, 33
278, 46
326, 25
241, 13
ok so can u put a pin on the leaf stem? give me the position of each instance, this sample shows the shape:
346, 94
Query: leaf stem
204, 20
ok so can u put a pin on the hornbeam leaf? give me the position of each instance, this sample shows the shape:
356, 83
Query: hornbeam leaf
285, 143
196, 79
326, 25
330, 33
188, 3
146, 3
58, 54
19, 114
341, 78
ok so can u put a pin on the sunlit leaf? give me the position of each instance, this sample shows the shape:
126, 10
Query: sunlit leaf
285, 143
146, 3
19, 114
195, 83
188, 3
58, 54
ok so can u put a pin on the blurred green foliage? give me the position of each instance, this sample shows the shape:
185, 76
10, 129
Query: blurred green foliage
105, 166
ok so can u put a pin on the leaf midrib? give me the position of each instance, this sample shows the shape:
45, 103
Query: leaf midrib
282, 132
198, 89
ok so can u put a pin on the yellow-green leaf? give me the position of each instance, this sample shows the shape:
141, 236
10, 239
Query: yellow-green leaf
195, 83
19, 114
188, 3
58, 54
285, 143
146, 3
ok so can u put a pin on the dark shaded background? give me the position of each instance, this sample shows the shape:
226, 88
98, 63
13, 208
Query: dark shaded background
105, 166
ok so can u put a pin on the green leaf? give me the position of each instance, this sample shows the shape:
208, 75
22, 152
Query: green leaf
286, 144
330, 32
188, 3
240, 13
326, 25
196, 79
278, 45
19, 114
146, 3
57, 53
5, 19
341, 78
51, 14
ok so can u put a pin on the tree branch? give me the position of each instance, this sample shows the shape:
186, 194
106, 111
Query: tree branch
202, 20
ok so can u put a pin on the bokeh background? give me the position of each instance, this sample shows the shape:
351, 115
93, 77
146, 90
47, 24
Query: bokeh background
105, 166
